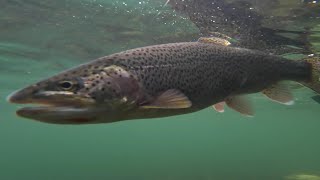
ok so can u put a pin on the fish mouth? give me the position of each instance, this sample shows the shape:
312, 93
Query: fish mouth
55, 107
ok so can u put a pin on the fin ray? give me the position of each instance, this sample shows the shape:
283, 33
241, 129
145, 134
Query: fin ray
170, 99
219, 107
214, 40
240, 104
314, 82
280, 93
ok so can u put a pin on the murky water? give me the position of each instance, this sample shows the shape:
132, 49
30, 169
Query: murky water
41, 38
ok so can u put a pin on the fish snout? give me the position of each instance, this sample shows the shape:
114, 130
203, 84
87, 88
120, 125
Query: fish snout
20, 97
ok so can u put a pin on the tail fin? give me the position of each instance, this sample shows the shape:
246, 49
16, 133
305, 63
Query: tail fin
314, 84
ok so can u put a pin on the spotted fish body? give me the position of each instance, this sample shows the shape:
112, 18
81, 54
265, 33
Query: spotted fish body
205, 73
165, 80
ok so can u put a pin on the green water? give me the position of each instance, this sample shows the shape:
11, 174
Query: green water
41, 38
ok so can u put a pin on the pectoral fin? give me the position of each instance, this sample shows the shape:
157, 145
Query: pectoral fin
279, 93
240, 104
170, 99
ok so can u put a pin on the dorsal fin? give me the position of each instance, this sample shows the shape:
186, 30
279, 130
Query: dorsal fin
280, 93
214, 40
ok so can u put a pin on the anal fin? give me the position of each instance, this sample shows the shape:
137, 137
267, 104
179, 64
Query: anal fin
240, 104
280, 93
170, 99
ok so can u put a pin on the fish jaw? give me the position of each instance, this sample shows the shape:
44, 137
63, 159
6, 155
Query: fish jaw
49, 97
58, 115
21, 96
72, 114
59, 107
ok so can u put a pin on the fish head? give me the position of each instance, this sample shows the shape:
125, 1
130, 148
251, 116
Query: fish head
79, 97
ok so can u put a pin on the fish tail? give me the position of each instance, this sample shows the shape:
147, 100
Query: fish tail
314, 81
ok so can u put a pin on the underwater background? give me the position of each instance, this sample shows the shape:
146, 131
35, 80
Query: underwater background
41, 38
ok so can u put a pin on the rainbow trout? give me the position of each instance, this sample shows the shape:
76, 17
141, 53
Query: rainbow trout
164, 80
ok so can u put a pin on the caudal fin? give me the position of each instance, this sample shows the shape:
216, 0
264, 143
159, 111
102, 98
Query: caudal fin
314, 84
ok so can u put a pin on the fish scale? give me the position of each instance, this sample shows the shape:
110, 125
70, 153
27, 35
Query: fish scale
165, 80
198, 63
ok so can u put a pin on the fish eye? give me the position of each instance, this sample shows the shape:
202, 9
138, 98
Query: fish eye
66, 85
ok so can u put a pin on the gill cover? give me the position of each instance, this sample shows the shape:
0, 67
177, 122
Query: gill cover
113, 85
